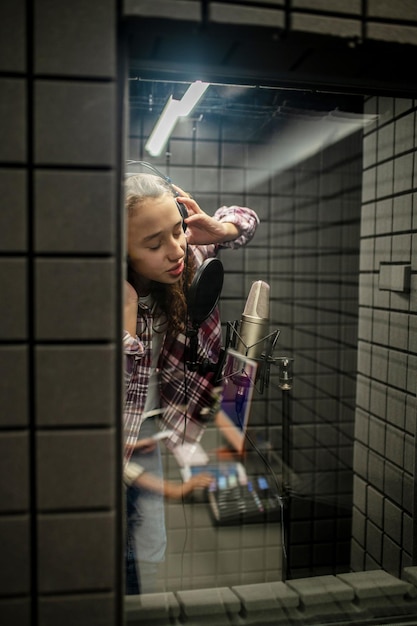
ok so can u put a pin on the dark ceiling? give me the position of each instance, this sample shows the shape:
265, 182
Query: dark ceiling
261, 78
176, 50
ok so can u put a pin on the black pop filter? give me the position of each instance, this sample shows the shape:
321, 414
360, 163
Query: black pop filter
204, 291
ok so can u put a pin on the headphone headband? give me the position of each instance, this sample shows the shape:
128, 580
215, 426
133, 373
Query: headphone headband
181, 207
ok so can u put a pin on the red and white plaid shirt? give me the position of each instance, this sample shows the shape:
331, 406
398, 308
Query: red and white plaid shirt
183, 393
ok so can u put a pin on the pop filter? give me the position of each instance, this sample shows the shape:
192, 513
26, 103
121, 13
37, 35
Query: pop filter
203, 296
204, 291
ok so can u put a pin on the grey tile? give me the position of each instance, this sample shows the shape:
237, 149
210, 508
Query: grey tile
14, 472
407, 533
409, 454
408, 495
378, 402
76, 552
253, 559
374, 541
392, 555
396, 408
15, 555
403, 105
207, 152
403, 173
393, 521
13, 303
203, 563
75, 469
90, 24
12, 35
13, 386
395, 445
404, 133
181, 152
232, 180
75, 385
13, 120
358, 526
385, 142
93, 609
75, 299
379, 367
207, 179
151, 607
375, 584
369, 148
16, 611
394, 483
380, 327
75, 123
213, 602
75, 211
385, 178
13, 229
369, 184
375, 502
375, 468
397, 369
401, 248
181, 176
377, 435
321, 589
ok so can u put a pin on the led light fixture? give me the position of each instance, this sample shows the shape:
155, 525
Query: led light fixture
173, 110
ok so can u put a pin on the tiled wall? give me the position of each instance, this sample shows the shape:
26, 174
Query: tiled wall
307, 249
387, 365
314, 263
59, 326
357, 20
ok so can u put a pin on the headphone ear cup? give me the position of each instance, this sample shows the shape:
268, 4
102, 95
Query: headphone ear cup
184, 213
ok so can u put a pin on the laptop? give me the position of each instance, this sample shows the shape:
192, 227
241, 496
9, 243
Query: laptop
237, 383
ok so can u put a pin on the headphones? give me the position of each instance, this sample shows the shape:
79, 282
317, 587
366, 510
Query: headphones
181, 207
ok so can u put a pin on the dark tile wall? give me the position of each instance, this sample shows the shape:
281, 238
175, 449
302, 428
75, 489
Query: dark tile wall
59, 325
384, 484
314, 263
307, 249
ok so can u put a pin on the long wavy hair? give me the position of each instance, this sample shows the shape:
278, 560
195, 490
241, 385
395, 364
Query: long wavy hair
171, 300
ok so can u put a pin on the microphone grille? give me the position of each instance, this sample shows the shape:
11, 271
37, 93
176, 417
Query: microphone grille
257, 303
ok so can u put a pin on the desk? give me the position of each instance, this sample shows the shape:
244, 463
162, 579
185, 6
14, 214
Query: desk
202, 555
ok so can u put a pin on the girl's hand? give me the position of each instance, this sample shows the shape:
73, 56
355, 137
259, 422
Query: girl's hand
130, 295
178, 490
203, 229
130, 308
199, 481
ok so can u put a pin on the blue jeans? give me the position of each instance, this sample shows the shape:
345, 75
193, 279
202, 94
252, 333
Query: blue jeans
146, 533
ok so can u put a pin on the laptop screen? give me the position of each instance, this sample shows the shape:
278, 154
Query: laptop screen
238, 382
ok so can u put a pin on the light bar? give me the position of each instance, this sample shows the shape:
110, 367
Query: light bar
192, 96
169, 116
163, 128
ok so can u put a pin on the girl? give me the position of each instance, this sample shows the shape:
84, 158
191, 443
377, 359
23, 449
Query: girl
162, 259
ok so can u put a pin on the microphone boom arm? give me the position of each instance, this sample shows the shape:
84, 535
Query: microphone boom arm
284, 363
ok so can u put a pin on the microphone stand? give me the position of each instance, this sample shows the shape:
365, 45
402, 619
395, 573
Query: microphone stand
285, 383
263, 376
206, 366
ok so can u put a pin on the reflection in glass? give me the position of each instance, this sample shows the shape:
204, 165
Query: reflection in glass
308, 163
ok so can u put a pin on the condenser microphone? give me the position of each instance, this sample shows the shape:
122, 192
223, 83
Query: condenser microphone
254, 322
252, 332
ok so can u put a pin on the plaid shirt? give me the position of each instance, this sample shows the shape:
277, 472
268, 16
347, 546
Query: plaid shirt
183, 393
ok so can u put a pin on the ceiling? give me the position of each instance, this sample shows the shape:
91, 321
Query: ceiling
262, 79
171, 49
